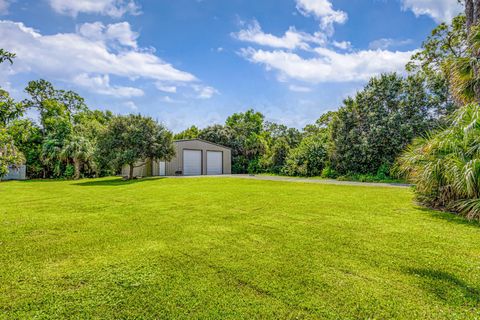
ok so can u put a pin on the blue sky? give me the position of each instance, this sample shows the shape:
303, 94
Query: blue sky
187, 62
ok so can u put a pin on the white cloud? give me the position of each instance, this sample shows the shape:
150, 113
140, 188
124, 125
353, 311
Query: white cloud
296, 88
344, 45
131, 105
4, 4
205, 92
387, 43
439, 10
89, 53
168, 99
120, 33
323, 11
101, 85
328, 65
292, 39
165, 88
112, 8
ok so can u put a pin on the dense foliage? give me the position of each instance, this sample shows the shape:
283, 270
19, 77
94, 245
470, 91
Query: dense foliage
129, 139
308, 159
445, 166
373, 128
69, 140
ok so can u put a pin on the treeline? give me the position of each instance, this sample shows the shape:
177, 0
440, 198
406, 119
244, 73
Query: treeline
71, 141
360, 141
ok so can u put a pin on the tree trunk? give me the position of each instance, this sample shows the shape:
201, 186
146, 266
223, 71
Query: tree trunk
472, 13
76, 164
469, 13
130, 174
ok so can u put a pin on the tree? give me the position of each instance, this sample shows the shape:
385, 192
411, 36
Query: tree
435, 62
28, 138
190, 133
53, 104
79, 149
9, 155
374, 127
445, 166
308, 159
279, 141
61, 112
9, 109
130, 139
6, 56
465, 76
249, 140
218, 134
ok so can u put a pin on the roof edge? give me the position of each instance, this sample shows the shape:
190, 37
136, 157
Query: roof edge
205, 141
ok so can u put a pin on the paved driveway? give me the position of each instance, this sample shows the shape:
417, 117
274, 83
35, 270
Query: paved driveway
306, 180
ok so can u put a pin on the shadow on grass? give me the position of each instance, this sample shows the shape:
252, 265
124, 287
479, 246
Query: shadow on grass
444, 285
449, 216
114, 182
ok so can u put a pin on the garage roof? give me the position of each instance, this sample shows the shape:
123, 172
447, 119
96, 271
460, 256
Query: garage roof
205, 141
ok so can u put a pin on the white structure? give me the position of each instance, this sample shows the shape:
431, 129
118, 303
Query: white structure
16, 173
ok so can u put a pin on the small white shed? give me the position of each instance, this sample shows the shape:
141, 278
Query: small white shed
16, 173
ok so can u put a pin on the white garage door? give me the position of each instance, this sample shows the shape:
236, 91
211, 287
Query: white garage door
162, 168
214, 162
192, 162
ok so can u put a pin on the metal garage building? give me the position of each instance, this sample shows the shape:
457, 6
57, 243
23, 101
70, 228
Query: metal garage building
193, 157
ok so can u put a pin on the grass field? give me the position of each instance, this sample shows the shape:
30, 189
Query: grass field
230, 248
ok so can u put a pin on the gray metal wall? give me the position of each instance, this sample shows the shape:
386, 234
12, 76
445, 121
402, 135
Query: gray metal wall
176, 164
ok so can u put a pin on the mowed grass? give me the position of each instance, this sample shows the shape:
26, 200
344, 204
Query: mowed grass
220, 248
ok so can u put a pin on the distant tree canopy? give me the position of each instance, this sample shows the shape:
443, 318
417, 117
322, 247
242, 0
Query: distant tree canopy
190, 133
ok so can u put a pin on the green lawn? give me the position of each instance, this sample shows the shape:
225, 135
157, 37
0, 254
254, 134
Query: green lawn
230, 248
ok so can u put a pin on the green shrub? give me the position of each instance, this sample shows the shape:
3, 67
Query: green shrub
445, 167
69, 171
308, 159
329, 173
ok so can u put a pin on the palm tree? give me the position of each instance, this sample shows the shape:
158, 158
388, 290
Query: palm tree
79, 150
50, 155
445, 167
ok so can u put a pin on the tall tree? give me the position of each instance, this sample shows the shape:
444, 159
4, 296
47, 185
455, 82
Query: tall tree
28, 138
190, 133
435, 61
130, 139
250, 144
372, 128
9, 108
9, 154
467, 70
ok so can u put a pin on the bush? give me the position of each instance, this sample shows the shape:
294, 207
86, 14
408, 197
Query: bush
445, 167
308, 159
329, 173
69, 171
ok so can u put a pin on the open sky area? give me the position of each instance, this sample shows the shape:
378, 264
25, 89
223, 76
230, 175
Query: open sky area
187, 62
